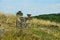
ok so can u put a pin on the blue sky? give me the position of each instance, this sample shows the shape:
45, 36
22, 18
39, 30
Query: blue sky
34, 7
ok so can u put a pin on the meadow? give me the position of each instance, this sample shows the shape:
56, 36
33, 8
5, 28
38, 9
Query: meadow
39, 29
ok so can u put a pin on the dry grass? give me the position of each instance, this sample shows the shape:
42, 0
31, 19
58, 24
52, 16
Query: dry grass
39, 30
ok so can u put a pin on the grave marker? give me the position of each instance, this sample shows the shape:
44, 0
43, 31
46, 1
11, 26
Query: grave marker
21, 21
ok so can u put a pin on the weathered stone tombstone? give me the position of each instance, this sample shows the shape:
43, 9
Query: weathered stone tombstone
18, 22
29, 16
18, 16
28, 20
21, 21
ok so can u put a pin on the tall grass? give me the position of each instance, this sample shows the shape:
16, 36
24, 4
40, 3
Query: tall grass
39, 30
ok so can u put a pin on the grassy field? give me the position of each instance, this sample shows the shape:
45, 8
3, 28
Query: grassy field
52, 17
38, 30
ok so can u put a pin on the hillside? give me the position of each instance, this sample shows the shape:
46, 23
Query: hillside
51, 17
39, 29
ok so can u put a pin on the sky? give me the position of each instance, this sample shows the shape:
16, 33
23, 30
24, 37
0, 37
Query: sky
34, 7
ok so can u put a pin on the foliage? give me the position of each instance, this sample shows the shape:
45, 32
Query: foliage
51, 17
